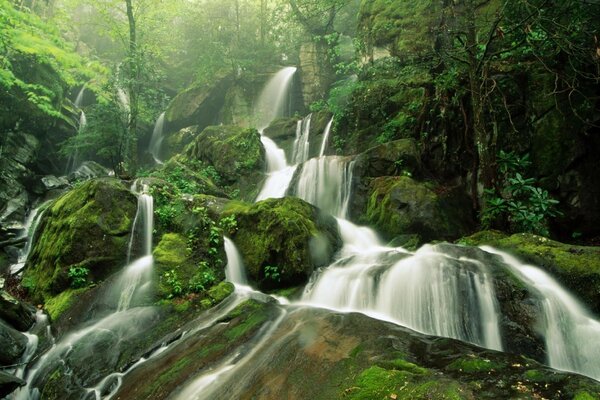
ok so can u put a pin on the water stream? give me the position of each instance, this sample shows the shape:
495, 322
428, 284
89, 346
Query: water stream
29, 227
156, 141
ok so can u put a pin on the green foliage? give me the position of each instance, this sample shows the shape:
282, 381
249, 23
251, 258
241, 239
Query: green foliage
78, 277
173, 283
272, 273
526, 206
229, 224
203, 280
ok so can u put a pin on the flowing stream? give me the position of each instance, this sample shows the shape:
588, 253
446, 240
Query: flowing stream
29, 227
157, 138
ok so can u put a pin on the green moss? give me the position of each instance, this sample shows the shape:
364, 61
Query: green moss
380, 383
86, 227
171, 250
475, 365
585, 396
252, 321
220, 292
57, 305
278, 232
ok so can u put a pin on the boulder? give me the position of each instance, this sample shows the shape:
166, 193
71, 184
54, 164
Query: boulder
393, 158
177, 142
400, 205
283, 132
20, 315
318, 354
89, 170
12, 343
576, 267
282, 241
199, 104
9, 383
236, 155
88, 227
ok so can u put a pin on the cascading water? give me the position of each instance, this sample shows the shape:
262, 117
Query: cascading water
273, 102
302, 142
157, 138
326, 134
326, 182
570, 332
74, 161
119, 326
234, 271
427, 291
30, 226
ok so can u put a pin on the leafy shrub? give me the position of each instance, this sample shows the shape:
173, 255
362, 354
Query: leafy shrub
272, 273
173, 283
78, 277
203, 280
526, 206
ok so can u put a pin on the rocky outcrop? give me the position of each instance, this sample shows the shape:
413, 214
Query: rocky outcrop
12, 343
17, 313
389, 159
318, 354
9, 383
235, 154
86, 228
199, 104
316, 72
282, 241
576, 267
400, 205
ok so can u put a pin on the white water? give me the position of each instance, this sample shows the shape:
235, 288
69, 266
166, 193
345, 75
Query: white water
326, 134
302, 142
427, 291
326, 182
571, 333
157, 138
79, 99
143, 223
31, 223
274, 99
235, 271
123, 99
272, 103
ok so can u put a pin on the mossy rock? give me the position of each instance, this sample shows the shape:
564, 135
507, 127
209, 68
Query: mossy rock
176, 142
87, 227
577, 267
199, 104
235, 153
393, 158
282, 241
401, 205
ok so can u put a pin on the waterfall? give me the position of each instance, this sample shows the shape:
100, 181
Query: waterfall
123, 99
31, 223
270, 105
157, 138
234, 271
427, 291
326, 182
302, 143
570, 332
326, 137
79, 98
274, 99
137, 274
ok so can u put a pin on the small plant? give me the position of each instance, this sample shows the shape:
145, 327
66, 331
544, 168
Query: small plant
272, 273
78, 277
229, 224
204, 279
173, 284
526, 206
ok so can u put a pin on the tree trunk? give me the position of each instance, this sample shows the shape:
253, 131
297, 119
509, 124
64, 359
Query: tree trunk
132, 87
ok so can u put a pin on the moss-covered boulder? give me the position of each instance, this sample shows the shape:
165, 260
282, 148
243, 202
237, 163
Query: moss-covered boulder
235, 153
87, 228
198, 105
577, 267
393, 158
176, 142
400, 205
282, 241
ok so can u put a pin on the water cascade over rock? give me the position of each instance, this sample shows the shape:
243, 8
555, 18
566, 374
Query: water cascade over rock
31, 223
570, 332
302, 142
154, 148
326, 134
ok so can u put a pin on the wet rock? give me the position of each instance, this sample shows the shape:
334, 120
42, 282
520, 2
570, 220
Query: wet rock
88, 227
9, 383
389, 159
51, 182
282, 241
12, 343
89, 170
577, 267
20, 315
402, 205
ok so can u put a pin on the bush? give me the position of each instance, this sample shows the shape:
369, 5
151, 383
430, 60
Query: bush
78, 277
